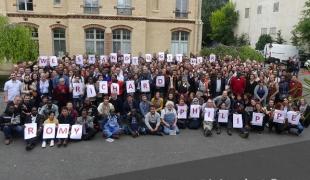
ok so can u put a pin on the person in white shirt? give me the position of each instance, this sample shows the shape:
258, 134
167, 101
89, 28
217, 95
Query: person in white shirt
12, 88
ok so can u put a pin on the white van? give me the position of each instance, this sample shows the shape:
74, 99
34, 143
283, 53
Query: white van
280, 53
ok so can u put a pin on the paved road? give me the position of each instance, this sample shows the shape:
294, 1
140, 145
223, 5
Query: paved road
98, 158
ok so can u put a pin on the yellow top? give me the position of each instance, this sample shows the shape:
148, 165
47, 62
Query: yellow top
54, 121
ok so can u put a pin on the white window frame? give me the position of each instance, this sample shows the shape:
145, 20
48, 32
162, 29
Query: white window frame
122, 41
247, 13
94, 40
25, 4
59, 39
180, 43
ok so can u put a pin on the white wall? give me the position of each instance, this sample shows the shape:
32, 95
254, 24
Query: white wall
284, 20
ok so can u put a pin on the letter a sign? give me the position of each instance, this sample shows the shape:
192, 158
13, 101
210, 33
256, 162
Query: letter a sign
130, 86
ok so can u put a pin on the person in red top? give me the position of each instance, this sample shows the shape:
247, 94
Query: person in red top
71, 111
120, 84
295, 87
238, 84
61, 93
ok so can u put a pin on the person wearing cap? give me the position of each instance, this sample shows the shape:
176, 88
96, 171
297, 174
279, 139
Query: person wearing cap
111, 126
169, 118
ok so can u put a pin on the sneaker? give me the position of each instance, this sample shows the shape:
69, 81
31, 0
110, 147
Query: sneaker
229, 132
43, 144
52, 143
7, 141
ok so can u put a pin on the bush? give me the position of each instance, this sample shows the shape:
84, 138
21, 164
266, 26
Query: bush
262, 41
243, 52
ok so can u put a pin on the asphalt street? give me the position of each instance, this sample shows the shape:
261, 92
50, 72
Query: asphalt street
98, 158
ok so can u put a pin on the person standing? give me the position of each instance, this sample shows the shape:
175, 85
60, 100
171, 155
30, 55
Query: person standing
12, 88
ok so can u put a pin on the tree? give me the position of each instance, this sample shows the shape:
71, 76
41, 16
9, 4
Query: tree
279, 38
223, 22
16, 42
208, 7
242, 40
262, 41
301, 30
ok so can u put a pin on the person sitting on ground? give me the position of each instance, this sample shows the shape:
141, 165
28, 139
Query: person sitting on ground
38, 119
134, 124
152, 122
88, 125
10, 124
169, 118
51, 120
111, 126
64, 118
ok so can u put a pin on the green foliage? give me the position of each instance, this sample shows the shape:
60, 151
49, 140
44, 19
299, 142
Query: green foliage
15, 42
223, 22
242, 40
301, 31
279, 38
209, 6
243, 52
262, 41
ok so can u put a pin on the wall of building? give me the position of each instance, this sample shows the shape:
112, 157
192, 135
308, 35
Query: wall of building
284, 20
150, 28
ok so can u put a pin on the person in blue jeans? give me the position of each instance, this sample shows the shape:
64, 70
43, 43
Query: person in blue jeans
11, 124
111, 126
169, 118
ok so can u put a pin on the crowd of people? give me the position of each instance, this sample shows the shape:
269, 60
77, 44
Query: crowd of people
151, 98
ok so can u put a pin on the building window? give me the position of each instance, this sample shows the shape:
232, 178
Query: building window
121, 41
179, 42
263, 31
181, 10
25, 5
91, 7
259, 9
276, 7
247, 13
156, 4
57, 2
124, 7
94, 41
273, 31
59, 39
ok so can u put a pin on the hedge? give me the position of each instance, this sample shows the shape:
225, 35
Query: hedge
243, 52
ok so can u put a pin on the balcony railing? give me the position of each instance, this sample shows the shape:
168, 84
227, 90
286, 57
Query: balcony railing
181, 14
91, 9
124, 11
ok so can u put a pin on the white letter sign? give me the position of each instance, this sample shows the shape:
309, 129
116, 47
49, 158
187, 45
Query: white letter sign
130, 86
257, 119
113, 58
53, 61
148, 57
194, 111
77, 89
103, 87
169, 58
63, 131
30, 130
182, 112
161, 56
160, 81
79, 59
145, 86
76, 132
49, 131
279, 116
179, 57
237, 121
90, 90
114, 88
209, 114
91, 59
293, 117
126, 58
223, 116
135, 61
43, 61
